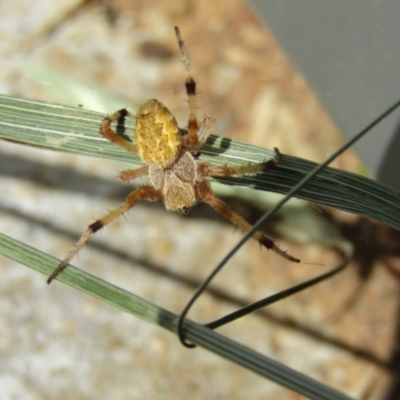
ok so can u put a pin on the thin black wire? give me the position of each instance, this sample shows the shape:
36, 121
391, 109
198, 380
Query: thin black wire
268, 215
277, 296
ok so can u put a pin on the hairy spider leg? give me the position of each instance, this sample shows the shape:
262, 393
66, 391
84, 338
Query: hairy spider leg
108, 133
142, 193
207, 126
224, 170
191, 139
131, 174
227, 212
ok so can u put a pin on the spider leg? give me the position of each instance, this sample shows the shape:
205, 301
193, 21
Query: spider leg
224, 170
208, 197
131, 174
108, 133
191, 139
143, 193
206, 128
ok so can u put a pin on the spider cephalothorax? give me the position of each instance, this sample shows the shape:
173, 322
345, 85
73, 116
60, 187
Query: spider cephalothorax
176, 175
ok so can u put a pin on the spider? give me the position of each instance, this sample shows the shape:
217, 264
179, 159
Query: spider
175, 173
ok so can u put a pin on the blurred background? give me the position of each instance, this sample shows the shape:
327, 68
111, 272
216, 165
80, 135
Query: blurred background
58, 343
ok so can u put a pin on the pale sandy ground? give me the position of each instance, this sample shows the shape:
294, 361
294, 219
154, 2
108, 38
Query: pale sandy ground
56, 343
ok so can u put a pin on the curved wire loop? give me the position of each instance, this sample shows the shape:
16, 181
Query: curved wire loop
278, 296
264, 302
262, 221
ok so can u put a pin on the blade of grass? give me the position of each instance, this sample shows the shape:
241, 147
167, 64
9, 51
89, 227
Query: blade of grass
63, 128
150, 312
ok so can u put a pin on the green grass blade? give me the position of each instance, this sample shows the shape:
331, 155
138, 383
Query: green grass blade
63, 128
195, 333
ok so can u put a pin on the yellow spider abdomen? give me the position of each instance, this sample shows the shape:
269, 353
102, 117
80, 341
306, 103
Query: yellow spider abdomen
157, 134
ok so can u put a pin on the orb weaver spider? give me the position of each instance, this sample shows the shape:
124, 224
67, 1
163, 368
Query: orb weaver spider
176, 175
